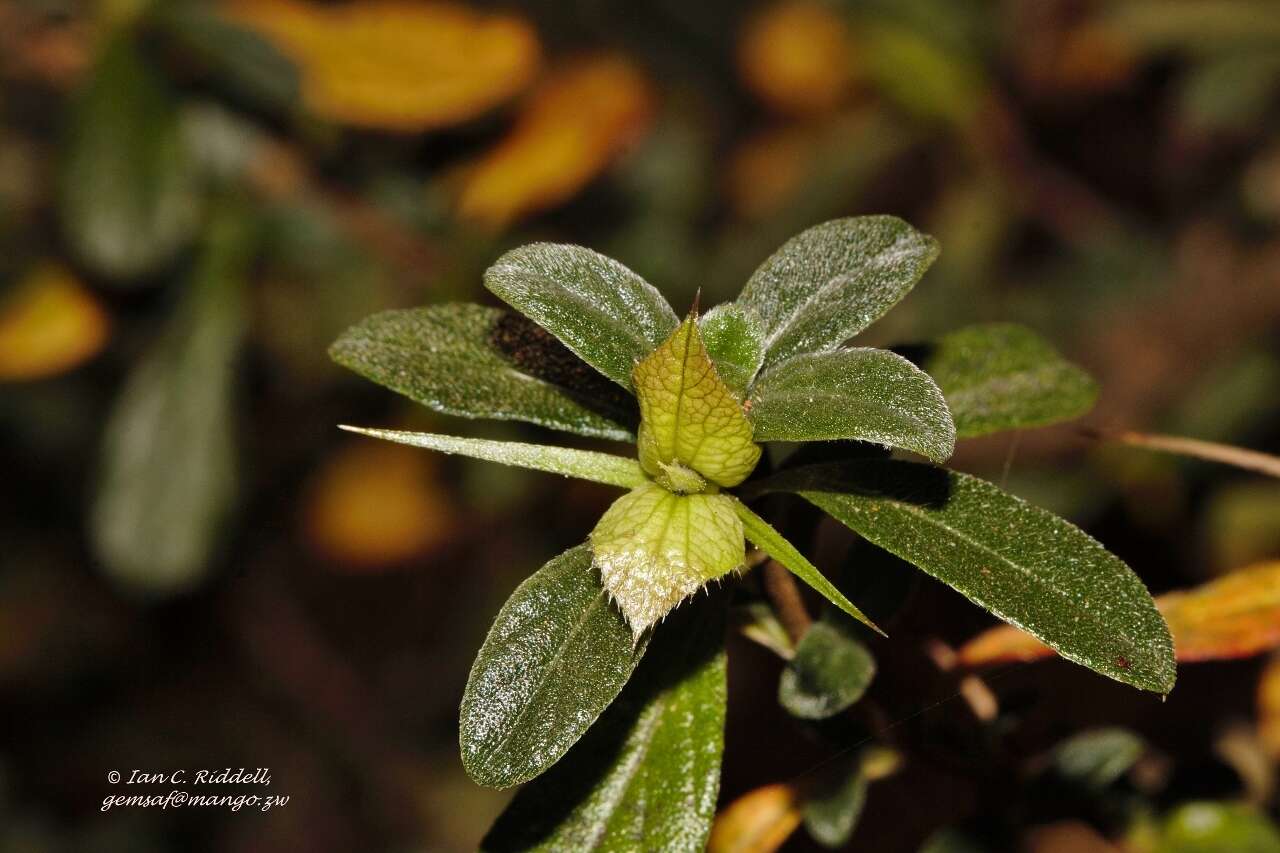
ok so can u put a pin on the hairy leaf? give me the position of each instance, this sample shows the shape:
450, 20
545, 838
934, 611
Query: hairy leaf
1024, 564
830, 671
735, 344
688, 416
764, 537
1001, 376
556, 656
864, 394
129, 198
478, 362
646, 776
1232, 617
168, 455
832, 281
583, 464
601, 310
655, 548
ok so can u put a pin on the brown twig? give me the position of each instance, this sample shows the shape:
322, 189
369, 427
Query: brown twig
1227, 454
784, 595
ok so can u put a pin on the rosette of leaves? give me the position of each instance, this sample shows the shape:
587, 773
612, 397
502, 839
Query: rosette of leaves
596, 351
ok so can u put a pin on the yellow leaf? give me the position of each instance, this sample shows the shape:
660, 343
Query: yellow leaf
1269, 707
374, 506
797, 57
759, 821
396, 65
49, 324
1232, 617
573, 127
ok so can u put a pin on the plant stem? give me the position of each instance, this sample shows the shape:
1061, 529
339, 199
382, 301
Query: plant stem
1227, 454
784, 595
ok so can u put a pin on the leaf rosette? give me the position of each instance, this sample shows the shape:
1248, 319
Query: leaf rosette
700, 396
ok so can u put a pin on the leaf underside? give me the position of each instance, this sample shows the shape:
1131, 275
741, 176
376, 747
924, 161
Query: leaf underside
584, 464
556, 656
862, 394
478, 362
647, 774
1027, 566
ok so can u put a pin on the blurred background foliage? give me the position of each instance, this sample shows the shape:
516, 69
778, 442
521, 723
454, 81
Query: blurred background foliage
200, 570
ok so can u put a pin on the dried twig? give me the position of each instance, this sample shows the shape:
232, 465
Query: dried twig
783, 593
1227, 454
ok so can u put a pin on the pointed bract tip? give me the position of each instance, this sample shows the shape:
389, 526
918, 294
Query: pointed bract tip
697, 302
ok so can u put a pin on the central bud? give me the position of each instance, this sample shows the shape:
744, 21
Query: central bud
688, 416
675, 477
665, 540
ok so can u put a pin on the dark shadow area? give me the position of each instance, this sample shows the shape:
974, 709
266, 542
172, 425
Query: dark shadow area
540, 354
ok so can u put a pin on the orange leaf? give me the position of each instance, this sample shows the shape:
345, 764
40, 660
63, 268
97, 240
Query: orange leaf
1232, 617
577, 121
49, 324
396, 65
1269, 707
375, 505
796, 56
759, 821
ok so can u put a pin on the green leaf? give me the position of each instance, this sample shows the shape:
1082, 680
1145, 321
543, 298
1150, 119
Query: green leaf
688, 416
764, 537
832, 281
168, 455
555, 658
735, 344
1027, 566
478, 362
1001, 376
647, 774
128, 195
240, 58
1208, 827
1094, 759
583, 464
830, 671
655, 548
601, 310
864, 394
831, 812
